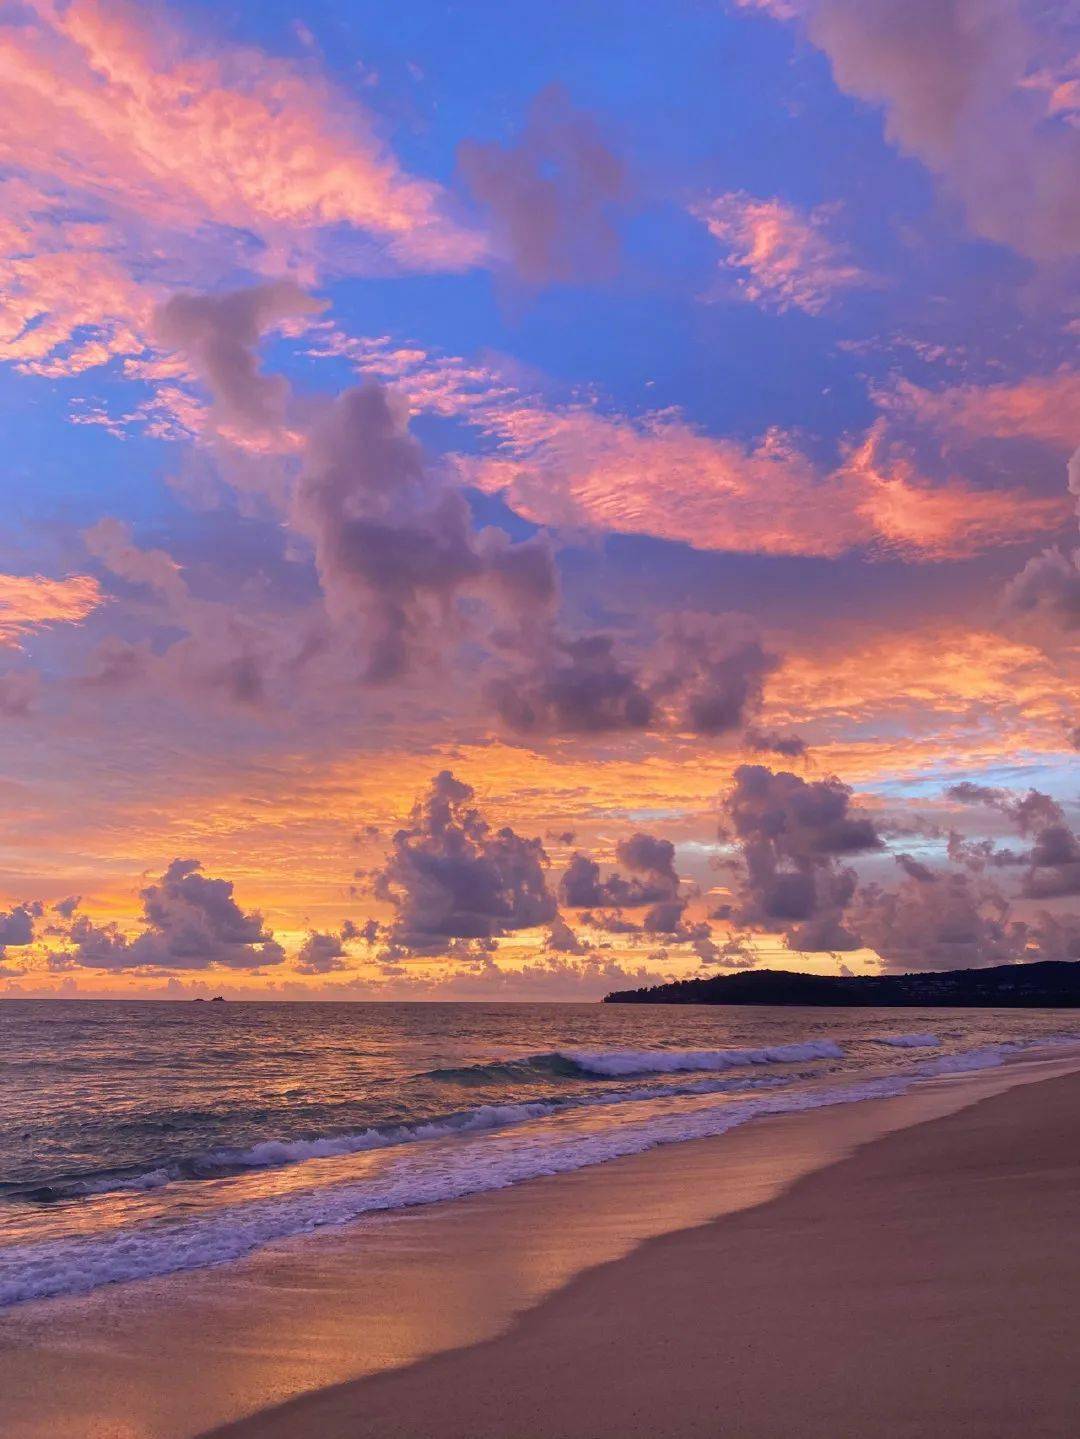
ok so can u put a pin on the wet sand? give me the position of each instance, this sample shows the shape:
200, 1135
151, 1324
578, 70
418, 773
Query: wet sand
928, 1285
176, 1357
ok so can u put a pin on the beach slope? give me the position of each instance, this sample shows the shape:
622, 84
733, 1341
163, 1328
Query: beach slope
928, 1285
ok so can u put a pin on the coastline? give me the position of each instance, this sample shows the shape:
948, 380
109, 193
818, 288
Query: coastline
181, 1356
926, 1283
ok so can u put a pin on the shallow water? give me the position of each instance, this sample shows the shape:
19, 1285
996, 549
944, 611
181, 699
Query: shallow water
142, 1139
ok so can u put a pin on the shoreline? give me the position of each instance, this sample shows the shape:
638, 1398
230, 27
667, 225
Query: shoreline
926, 1283
182, 1356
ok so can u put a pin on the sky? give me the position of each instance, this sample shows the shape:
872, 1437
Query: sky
513, 502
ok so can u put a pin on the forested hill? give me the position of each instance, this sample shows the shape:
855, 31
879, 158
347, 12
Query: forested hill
1049, 984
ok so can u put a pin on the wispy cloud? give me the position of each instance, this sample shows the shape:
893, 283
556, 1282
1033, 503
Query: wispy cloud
30, 602
142, 159
784, 258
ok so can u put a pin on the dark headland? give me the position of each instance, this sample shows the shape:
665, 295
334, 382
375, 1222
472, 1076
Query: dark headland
1051, 984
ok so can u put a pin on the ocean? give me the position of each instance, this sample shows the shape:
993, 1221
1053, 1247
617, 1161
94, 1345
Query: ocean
144, 1139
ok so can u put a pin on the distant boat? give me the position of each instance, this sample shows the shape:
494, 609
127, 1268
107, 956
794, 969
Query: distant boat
218, 999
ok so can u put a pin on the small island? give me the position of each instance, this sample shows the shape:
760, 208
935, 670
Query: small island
1049, 984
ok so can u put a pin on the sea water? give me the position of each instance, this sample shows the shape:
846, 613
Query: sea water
142, 1139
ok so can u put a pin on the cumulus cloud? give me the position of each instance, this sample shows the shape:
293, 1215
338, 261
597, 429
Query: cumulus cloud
394, 545
223, 653
766, 741
219, 333
449, 875
710, 670
551, 195
952, 77
1053, 862
190, 921
395, 548
561, 938
17, 925
956, 922
705, 675
792, 835
573, 686
322, 953
1048, 587
650, 879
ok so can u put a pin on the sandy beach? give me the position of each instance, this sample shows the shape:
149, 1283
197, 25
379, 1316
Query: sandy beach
926, 1285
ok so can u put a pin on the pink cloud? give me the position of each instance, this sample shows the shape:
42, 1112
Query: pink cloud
940, 522
29, 602
786, 258
179, 160
1039, 407
578, 466
181, 137
658, 475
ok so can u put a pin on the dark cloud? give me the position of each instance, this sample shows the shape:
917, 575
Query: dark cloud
561, 938
552, 194
704, 675
611, 921
650, 879
395, 549
1054, 936
977, 854
789, 746
1048, 587
223, 654
915, 869
710, 672
733, 953
220, 333
791, 834
17, 925
577, 687
449, 875
1053, 862
322, 953
190, 922
957, 918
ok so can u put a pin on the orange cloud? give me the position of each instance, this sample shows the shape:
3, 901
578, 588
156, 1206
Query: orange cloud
1040, 407
940, 522
658, 475
1004, 688
788, 258
29, 602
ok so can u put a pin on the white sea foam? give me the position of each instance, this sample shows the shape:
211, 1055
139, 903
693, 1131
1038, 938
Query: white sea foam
79, 1265
538, 1139
622, 1062
279, 1153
